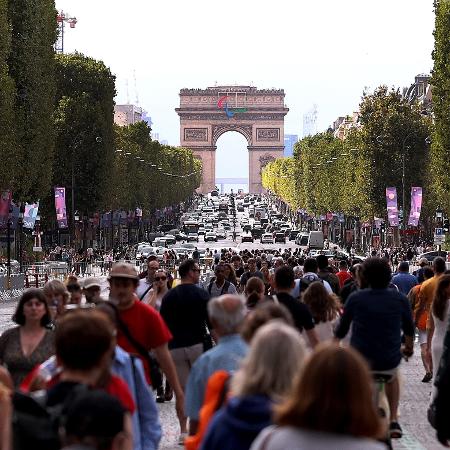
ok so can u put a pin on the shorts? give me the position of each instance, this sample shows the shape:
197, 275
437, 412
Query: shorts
184, 358
392, 373
422, 337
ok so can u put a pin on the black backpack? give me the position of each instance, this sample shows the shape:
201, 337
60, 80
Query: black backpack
35, 425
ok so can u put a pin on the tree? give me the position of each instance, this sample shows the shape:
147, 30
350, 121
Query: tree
10, 154
393, 133
31, 66
148, 174
440, 149
84, 120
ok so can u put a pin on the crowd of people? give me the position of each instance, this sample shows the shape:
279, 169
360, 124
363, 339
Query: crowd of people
276, 350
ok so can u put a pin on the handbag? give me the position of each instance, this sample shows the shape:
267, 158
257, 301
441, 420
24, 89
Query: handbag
155, 373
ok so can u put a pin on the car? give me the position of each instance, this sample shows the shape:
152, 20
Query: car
201, 231
210, 236
159, 242
266, 238
293, 234
221, 233
280, 237
429, 256
247, 237
192, 237
170, 239
246, 227
302, 239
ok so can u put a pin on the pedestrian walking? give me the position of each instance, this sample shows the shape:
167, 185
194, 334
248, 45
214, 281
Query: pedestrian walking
265, 378
321, 415
31, 342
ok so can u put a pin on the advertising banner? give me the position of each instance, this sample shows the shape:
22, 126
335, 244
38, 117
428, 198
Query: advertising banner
392, 209
416, 206
31, 212
5, 204
60, 206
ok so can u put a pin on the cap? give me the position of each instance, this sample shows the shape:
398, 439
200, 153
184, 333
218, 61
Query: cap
91, 282
123, 270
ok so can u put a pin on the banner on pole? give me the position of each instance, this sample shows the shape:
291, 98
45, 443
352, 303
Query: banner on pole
392, 209
60, 206
416, 206
31, 212
5, 205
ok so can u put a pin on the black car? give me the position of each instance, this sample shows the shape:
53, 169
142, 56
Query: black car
280, 237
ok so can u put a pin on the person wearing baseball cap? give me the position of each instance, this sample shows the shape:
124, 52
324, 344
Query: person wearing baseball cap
91, 290
140, 327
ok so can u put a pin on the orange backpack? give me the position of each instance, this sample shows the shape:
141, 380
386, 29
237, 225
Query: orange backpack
215, 397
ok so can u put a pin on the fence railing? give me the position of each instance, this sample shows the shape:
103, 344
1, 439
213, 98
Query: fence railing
36, 275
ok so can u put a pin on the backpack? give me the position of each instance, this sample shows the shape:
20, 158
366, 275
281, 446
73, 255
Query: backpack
216, 393
225, 286
35, 425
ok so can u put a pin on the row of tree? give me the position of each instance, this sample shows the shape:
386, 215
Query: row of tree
328, 174
392, 139
57, 127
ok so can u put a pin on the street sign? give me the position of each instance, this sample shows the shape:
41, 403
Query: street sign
438, 231
439, 239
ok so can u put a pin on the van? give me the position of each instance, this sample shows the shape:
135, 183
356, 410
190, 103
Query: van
315, 240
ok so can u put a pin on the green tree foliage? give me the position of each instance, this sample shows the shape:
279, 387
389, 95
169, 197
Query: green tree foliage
31, 66
440, 151
351, 175
279, 177
9, 153
83, 120
148, 174
392, 132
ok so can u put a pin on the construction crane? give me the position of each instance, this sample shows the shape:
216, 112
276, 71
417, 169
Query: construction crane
62, 18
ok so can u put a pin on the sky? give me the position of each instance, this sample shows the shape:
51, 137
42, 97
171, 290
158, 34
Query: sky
321, 52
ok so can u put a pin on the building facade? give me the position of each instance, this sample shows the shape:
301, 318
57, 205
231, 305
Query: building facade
127, 115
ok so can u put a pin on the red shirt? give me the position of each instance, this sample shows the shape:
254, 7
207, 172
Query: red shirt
115, 387
146, 326
343, 277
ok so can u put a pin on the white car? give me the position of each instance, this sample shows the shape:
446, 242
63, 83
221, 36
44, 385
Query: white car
266, 238
192, 237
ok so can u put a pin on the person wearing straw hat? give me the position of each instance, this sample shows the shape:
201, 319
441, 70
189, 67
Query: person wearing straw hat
141, 329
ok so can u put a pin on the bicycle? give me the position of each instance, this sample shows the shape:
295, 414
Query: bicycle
381, 402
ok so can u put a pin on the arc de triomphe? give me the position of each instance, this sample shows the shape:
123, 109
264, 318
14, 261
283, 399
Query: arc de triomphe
258, 114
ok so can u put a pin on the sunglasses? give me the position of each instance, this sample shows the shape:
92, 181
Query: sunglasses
160, 278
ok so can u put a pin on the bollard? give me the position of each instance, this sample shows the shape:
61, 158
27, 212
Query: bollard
27, 281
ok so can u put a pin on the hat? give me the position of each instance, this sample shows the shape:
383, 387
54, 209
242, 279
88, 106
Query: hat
123, 270
91, 282
423, 262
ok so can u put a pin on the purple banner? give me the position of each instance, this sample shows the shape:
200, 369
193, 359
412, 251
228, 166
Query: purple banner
60, 206
5, 204
416, 206
30, 215
392, 209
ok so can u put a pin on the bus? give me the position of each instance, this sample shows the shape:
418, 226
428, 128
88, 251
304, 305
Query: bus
191, 226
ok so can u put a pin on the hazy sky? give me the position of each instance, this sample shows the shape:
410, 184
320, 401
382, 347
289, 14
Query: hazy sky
322, 52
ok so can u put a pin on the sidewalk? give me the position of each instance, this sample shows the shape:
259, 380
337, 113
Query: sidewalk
415, 396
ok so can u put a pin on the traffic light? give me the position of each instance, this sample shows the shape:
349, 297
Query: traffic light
446, 226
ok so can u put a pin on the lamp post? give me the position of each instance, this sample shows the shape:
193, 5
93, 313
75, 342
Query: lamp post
439, 216
20, 224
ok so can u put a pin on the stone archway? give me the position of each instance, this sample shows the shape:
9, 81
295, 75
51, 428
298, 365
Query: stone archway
257, 114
